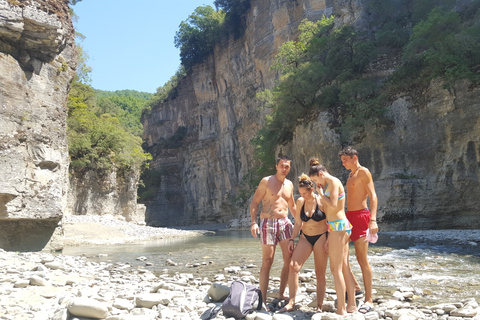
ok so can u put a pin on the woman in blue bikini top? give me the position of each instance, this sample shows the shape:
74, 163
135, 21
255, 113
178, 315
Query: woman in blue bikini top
332, 196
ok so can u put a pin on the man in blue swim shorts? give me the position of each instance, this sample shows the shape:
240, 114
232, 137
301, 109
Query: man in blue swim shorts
276, 194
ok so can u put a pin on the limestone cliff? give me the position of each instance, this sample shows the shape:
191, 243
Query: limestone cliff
425, 165
36, 68
217, 111
106, 194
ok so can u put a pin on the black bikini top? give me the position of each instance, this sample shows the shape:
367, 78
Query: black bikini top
317, 215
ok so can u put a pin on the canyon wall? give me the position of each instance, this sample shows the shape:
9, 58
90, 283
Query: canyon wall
37, 64
92, 193
425, 165
217, 112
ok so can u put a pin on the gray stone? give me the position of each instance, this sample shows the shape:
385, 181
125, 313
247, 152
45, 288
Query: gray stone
218, 292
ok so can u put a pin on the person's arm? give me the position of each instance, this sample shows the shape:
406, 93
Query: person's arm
367, 181
257, 197
297, 226
292, 206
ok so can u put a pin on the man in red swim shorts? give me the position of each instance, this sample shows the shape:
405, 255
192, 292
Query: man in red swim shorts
359, 188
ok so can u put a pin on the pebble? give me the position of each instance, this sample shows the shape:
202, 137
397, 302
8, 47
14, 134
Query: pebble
36, 285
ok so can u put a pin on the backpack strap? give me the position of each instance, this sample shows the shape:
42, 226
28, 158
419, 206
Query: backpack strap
213, 312
260, 300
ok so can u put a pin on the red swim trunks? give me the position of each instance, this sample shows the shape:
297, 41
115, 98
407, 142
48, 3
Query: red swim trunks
359, 220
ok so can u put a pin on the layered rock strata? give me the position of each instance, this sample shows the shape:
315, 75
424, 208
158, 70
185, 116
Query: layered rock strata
425, 165
36, 68
217, 112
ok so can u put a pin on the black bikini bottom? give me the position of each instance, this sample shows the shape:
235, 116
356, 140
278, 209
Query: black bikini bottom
313, 239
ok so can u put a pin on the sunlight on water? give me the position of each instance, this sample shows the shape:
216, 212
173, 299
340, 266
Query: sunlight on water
445, 273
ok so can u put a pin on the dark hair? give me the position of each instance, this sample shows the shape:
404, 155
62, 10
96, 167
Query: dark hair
304, 181
286, 158
348, 151
315, 167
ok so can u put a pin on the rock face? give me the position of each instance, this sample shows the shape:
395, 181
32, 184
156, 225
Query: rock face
110, 194
216, 112
36, 68
425, 166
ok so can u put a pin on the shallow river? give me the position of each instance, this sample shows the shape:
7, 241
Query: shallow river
447, 273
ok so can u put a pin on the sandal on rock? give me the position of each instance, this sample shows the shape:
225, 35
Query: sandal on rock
365, 309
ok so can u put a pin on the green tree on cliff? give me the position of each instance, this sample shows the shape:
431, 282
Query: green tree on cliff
198, 35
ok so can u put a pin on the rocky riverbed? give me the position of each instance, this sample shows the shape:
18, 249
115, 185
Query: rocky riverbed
44, 285
40, 285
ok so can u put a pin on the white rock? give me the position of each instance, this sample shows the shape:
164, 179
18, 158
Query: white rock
38, 281
87, 307
54, 265
21, 283
148, 300
371, 316
281, 316
60, 314
463, 312
123, 304
449, 307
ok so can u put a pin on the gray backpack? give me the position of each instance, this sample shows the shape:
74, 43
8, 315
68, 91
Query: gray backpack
241, 300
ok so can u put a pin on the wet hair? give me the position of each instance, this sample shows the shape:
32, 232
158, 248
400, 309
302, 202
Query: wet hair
286, 158
348, 151
304, 181
315, 167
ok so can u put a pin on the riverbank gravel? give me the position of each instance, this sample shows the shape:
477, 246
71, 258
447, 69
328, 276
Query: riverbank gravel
104, 230
40, 285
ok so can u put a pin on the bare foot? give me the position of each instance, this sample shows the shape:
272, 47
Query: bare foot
289, 307
351, 309
284, 298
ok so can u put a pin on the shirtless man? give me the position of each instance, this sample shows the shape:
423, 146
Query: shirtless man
276, 194
359, 187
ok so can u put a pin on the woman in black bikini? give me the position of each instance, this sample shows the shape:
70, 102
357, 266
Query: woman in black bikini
310, 223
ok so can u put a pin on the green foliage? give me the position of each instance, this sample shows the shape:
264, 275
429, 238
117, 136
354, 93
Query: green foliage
166, 92
325, 68
198, 35
149, 185
126, 105
236, 10
444, 47
175, 140
98, 141
320, 71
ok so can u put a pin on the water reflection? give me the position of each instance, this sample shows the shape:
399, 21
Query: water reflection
445, 273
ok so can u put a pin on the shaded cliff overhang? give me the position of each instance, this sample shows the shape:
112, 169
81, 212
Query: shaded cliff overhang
34, 32
37, 65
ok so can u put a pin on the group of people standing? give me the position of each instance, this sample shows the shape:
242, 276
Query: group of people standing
322, 225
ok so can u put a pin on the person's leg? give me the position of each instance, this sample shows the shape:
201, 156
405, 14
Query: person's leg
287, 255
320, 257
361, 251
349, 280
336, 252
268, 254
357, 285
300, 255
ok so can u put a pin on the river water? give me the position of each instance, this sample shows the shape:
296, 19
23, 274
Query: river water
445, 272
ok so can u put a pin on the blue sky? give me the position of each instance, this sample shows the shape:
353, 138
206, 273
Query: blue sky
130, 43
